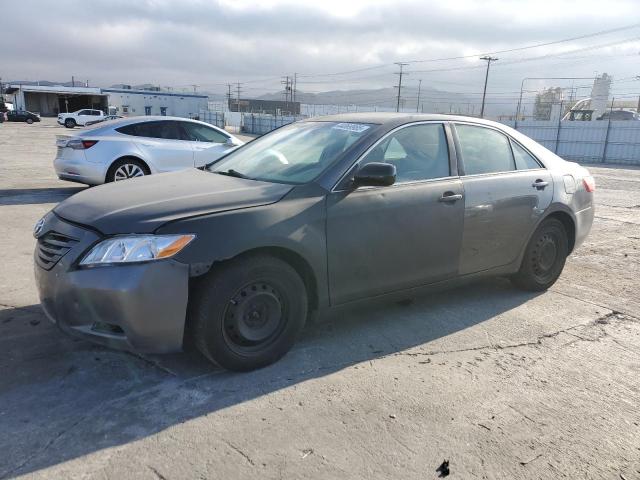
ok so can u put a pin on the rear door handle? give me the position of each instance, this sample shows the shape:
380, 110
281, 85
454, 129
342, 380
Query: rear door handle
450, 197
539, 184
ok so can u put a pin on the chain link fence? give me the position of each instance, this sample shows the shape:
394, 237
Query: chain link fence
258, 124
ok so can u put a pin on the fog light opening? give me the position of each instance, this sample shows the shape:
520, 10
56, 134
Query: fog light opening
109, 328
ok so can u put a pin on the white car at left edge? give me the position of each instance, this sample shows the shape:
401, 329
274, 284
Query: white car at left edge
133, 147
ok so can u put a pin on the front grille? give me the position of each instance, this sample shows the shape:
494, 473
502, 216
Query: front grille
52, 247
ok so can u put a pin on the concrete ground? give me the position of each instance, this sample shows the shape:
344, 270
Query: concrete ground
502, 384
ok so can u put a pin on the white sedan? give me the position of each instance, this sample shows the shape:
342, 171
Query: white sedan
134, 147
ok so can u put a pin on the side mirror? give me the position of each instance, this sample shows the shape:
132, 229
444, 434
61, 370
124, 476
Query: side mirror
375, 174
231, 142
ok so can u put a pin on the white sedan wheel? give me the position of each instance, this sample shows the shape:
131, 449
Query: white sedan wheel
126, 171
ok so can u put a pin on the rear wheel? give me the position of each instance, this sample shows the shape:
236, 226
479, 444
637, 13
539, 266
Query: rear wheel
126, 168
69, 123
248, 313
544, 258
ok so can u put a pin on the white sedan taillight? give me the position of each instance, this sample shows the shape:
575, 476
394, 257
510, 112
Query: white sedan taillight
589, 184
81, 144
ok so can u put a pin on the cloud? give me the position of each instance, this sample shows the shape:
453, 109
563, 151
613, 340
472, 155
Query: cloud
208, 43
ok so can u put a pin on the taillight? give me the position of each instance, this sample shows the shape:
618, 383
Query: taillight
81, 144
589, 184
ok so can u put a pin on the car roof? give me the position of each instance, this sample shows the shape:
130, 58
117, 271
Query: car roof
388, 118
147, 118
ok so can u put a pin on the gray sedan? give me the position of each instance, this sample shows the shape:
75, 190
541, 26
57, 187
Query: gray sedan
316, 214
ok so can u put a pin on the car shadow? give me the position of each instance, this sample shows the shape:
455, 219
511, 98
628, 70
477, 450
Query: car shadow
33, 196
64, 398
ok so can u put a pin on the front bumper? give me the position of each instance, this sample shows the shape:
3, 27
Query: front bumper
139, 307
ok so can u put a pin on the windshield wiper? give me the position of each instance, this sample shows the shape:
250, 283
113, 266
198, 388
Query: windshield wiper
232, 173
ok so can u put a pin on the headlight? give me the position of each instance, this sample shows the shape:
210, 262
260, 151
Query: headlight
136, 248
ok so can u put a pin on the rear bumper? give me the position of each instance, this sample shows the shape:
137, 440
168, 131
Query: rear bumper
79, 170
584, 221
138, 307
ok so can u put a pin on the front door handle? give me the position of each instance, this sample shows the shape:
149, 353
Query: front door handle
450, 197
539, 184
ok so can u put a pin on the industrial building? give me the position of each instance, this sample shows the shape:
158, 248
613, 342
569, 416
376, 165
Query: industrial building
131, 103
50, 100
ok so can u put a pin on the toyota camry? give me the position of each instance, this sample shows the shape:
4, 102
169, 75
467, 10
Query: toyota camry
319, 213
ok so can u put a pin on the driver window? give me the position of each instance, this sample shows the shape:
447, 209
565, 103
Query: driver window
419, 152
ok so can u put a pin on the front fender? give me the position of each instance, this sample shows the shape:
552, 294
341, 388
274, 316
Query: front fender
294, 224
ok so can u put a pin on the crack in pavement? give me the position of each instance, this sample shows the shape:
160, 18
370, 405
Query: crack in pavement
156, 473
603, 319
46, 446
239, 451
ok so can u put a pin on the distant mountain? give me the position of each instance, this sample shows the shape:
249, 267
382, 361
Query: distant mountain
431, 99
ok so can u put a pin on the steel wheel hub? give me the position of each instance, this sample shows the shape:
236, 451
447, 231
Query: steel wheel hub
254, 314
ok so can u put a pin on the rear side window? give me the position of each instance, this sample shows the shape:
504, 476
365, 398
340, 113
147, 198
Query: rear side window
484, 150
166, 130
524, 160
201, 133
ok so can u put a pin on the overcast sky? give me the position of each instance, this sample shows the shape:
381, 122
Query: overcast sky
210, 43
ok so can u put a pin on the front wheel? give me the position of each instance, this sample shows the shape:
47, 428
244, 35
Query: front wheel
69, 123
248, 313
29, 121
544, 257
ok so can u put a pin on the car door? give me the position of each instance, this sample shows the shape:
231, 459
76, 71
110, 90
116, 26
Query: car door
208, 143
84, 116
163, 144
506, 192
381, 239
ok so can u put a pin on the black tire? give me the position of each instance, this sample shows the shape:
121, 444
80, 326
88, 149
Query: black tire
544, 257
29, 121
248, 313
114, 171
69, 123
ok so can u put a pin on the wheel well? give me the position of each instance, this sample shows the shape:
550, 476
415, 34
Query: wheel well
298, 263
569, 227
125, 157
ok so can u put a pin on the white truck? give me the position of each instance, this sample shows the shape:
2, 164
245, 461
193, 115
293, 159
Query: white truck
80, 117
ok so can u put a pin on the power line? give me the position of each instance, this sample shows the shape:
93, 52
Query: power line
476, 55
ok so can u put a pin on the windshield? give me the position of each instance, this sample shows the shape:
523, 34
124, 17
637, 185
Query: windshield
297, 153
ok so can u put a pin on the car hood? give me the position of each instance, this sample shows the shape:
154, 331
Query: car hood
142, 205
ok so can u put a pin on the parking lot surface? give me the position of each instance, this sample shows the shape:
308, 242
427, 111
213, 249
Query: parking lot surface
500, 383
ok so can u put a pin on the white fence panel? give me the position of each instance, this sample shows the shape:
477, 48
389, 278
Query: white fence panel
587, 142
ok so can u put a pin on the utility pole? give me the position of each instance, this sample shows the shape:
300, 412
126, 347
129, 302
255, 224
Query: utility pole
295, 86
73, 81
418, 102
229, 96
287, 89
486, 78
238, 94
399, 87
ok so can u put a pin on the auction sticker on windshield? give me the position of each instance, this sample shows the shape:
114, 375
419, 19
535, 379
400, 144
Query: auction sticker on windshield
351, 127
